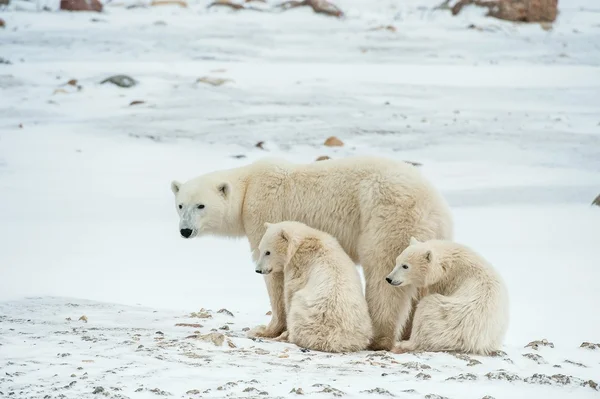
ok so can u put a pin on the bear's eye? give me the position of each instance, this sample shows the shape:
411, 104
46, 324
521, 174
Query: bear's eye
200, 206
405, 266
180, 206
268, 253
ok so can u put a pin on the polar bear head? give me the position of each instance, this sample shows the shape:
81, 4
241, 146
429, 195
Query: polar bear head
415, 266
276, 248
205, 206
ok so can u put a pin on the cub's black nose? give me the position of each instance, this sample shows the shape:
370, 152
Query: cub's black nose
258, 271
186, 232
389, 280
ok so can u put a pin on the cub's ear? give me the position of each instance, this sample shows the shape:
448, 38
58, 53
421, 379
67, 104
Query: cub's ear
285, 235
224, 189
428, 256
175, 186
414, 241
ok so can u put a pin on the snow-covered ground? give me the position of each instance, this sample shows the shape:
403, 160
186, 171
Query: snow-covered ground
506, 121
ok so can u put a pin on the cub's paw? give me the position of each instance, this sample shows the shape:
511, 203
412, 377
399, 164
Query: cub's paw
284, 337
257, 332
403, 347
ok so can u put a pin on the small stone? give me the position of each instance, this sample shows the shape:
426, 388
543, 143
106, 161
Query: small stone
224, 328
121, 81
246, 329
225, 311
536, 358
463, 377
589, 345
333, 142
416, 366
435, 396
2, 23
269, 313
423, 376
159, 333
260, 145
73, 376
192, 325
98, 390
502, 375
535, 345
72, 82
591, 384
297, 391
323, 158
379, 391
216, 338
488, 397
136, 102
202, 314
576, 363
193, 392
238, 156
284, 356
213, 81
231, 344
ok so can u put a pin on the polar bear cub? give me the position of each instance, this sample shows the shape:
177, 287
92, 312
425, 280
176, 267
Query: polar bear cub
324, 302
466, 309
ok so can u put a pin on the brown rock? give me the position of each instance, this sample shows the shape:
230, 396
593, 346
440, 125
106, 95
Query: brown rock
596, 201
333, 142
2, 23
168, 2
323, 158
81, 5
72, 82
515, 10
136, 102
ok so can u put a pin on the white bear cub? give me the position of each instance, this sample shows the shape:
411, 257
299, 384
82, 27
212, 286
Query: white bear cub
324, 302
466, 305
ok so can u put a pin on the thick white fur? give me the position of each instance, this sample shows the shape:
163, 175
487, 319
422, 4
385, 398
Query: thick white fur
372, 206
466, 309
324, 302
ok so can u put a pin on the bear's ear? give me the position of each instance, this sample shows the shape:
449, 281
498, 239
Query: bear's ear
175, 186
224, 189
414, 241
428, 256
267, 224
285, 235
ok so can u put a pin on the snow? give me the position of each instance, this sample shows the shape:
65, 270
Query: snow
505, 122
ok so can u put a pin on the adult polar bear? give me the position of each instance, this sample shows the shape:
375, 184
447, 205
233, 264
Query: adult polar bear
373, 206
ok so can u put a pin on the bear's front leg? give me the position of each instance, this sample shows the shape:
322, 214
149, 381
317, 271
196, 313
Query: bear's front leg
278, 324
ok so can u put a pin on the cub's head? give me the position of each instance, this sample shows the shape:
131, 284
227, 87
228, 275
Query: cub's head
203, 205
276, 248
415, 266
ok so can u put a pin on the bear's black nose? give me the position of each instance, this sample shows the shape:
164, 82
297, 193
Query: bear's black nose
258, 271
186, 232
389, 280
